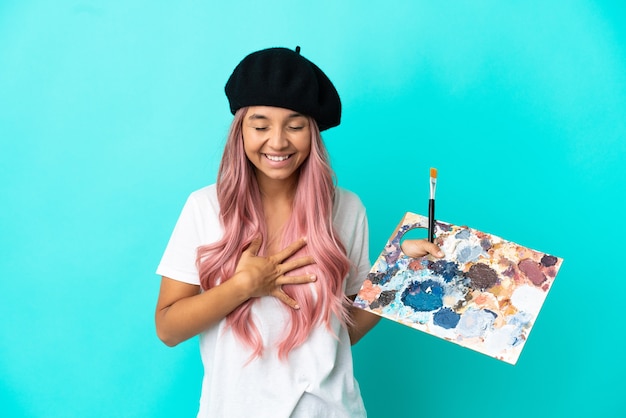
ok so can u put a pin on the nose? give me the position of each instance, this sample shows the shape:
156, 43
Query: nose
278, 139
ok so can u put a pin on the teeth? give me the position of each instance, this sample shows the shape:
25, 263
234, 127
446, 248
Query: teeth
277, 157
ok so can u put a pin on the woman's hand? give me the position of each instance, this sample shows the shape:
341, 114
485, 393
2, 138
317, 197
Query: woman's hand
182, 309
263, 276
420, 247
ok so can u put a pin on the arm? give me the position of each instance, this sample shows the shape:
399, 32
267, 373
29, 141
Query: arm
183, 311
362, 322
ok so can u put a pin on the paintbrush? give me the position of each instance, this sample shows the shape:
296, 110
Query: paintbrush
431, 205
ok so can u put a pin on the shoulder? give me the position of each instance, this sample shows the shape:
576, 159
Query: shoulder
348, 207
204, 198
206, 193
346, 199
350, 221
202, 205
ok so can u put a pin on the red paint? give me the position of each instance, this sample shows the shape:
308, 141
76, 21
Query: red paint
532, 270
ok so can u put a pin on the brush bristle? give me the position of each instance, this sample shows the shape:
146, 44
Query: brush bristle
433, 173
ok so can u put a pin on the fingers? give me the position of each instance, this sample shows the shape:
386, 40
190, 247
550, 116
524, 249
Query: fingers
290, 250
255, 244
421, 247
307, 278
287, 252
433, 249
295, 263
282, 296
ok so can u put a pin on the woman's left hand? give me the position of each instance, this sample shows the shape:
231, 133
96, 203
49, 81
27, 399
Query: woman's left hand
420, 247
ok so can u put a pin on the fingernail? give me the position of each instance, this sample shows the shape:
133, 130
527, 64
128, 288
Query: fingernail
296, 307
313, 277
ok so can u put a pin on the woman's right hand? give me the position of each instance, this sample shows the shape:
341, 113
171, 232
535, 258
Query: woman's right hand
264, 276
182, 310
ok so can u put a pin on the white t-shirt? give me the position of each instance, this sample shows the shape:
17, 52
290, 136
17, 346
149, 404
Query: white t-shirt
316, 380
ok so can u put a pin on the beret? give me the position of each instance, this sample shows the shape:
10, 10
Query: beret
283, 78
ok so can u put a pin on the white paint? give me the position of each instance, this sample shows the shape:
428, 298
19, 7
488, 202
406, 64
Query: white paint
528, 299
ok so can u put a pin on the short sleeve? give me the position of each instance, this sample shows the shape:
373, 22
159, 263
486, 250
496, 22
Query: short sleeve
351, 221
197, 225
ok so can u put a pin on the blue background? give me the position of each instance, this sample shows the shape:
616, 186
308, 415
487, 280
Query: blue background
112, 112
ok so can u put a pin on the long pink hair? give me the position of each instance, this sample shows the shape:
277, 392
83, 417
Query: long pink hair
241, 213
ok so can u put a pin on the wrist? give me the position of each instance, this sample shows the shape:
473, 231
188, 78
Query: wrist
239, 285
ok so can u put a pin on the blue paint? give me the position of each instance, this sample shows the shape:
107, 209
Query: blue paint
469, 253
384, 299
380, 278
475, 322
520, 319
376, 277
423, 296
446, 269
495, 315
446, 318
462, 234
388, 275
485, 243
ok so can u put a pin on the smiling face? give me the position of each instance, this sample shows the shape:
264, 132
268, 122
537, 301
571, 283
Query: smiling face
276, 141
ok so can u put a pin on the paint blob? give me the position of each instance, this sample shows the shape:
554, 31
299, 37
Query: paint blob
446, 269
482, 276
475, 323
384, 299
423, 296
549, 260
446, 318
532, 270
527, 299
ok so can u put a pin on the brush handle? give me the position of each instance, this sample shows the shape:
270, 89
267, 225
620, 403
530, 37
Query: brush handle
431, 220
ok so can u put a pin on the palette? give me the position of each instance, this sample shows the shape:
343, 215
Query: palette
485, 294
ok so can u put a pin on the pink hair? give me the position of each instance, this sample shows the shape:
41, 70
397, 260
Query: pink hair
242, 218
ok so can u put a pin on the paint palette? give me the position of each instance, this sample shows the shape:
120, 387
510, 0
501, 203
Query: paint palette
485, 294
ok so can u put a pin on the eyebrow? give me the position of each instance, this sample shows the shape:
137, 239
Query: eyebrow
256, 116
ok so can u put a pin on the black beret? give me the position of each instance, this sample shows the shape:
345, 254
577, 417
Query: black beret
283, 78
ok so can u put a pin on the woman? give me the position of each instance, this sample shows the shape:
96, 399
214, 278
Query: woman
259, 264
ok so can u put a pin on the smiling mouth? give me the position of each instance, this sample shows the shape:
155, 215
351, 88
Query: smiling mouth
277, 158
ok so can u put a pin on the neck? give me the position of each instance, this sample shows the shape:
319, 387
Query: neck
277, 200
277, 190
